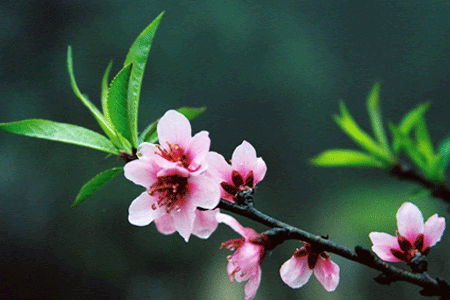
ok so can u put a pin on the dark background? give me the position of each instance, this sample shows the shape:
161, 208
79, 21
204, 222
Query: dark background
270, 72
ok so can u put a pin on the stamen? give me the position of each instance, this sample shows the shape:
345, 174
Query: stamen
169, 189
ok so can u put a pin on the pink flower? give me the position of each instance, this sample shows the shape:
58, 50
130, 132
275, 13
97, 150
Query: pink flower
298, 269
171, 198
413, 235
177, 146
245, 172
251, 249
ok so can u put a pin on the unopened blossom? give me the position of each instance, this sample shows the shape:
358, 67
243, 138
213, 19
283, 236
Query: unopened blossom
171, 197
250, 251
298, 269
177, 148
412, 238
245, 171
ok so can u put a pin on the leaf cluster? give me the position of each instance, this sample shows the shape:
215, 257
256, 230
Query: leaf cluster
117, 118
410, 137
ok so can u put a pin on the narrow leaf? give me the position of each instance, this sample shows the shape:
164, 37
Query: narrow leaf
149, 134
423, 140
412, 117
95, 184
61, 132
105, 84
137, 55
373, 107
92, 108
116, 104
343, 157
444, 151
349, 126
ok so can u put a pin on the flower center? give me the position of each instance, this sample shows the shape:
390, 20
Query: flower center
174, 154
239, 184
170, 190
408, 250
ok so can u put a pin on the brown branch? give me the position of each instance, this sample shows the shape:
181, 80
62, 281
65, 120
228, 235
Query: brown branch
281, 232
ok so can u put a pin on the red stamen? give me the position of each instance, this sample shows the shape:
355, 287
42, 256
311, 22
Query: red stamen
232, 245
174, 154
170, 190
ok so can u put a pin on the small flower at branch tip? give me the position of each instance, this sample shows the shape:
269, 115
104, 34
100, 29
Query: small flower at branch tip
250, 251
296, 271
414, 237
245, 171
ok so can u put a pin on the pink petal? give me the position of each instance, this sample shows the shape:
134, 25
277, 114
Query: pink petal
147, 150
174, 128
409, 221
232, 222
197, 150
382, 245
141, 172
218, 167
327, 272
232, 269
203, 192
141, 212
165, 224
434, 228
244, 158
183, 219
295, 272
247, 256
252, 285
259, 170
205, 223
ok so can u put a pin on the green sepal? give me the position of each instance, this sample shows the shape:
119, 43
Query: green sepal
344, 157
137, 55
116, 104
95, 184
151, 136
61, 132
349, 126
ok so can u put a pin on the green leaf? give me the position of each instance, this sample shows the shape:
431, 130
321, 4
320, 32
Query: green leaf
444, 151
373, 107
343, 157
191, 112
137, 55
94, 110
412, 117
151, 136
402, 141
423, 140
116, 104
349, 126
105, 84
95, 184
61, 132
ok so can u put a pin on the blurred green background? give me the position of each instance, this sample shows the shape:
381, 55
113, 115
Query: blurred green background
270, 72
